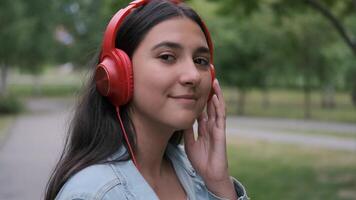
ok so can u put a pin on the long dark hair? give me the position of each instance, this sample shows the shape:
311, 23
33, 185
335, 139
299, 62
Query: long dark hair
94, 133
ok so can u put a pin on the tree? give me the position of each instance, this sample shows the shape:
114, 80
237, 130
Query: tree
29, 31
12, 23
85, 21
244, 56
26, 36
335, 12
307, 40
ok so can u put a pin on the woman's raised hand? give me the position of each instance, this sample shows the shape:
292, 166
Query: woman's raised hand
207, 153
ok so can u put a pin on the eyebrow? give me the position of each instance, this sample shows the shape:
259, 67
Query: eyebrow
177, 46
203, 50
172, 45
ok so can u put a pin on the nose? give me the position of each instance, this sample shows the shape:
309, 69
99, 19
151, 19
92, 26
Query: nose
190, 74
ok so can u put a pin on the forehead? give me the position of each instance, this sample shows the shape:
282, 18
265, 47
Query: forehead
179, 29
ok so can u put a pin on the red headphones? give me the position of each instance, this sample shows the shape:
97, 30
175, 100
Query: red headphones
113, 74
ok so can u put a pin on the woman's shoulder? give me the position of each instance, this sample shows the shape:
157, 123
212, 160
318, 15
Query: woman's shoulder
179, 158
93, 182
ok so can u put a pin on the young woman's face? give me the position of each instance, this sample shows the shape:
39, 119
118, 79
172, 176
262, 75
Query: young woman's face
171, 74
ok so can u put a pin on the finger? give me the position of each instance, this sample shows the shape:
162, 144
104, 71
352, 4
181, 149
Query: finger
220, 113
219, 104
188, 135
219, 93
211, 110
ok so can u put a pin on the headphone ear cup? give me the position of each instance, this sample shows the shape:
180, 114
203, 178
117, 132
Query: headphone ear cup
212, 73
114, 78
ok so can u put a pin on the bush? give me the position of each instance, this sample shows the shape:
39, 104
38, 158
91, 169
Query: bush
10, 105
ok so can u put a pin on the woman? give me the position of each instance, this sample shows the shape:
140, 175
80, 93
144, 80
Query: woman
126, 146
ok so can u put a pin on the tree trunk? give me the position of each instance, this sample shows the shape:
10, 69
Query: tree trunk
353, 95
3, 81
307, 100
265, 98
241, 102
328, 97
340, 28
337, 23
37, 85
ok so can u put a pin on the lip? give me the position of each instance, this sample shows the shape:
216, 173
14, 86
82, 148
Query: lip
185, 99
185, 96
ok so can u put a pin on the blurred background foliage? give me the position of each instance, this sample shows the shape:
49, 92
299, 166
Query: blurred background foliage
275, 58
261, 45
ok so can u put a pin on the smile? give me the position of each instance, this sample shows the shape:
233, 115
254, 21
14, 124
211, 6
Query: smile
185, 99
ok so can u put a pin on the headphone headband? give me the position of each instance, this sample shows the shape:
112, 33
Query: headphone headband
116, 21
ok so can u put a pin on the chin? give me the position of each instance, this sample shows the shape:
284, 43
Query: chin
184, 123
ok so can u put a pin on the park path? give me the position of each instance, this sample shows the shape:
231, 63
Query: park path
292, 132
31, 150
35, 140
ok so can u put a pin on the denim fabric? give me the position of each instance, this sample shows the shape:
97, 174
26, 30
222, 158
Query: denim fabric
121, 180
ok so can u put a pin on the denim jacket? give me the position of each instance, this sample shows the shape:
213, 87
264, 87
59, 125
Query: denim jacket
122, 180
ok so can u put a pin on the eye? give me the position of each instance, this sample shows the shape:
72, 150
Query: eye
168, 58
202, 61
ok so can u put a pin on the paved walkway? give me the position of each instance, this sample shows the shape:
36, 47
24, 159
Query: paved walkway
31, 150
288, 131
33, 146
293, 124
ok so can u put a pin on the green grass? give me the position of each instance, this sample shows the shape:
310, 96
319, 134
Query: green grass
5, 122
345, 135
289, 104
50, 90
52, 83
281, 171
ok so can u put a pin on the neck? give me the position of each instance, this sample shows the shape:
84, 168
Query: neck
151, 142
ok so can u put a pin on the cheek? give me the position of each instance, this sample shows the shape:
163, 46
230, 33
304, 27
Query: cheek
152, 78
147, 88
150, 87
206, 86
205, 89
